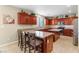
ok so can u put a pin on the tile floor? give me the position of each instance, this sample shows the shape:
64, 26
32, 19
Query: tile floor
62, 45
65, 45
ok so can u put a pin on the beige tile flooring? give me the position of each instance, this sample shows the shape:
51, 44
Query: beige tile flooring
65, 45
62, 45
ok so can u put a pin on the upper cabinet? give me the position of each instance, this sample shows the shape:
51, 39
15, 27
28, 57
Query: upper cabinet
48, 22
65, 21
24, 18
32, 19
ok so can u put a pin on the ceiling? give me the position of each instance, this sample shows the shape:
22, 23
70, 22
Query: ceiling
50, 10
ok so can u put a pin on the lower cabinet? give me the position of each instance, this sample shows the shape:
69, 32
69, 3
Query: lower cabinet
48, 44
68, 32
56, 37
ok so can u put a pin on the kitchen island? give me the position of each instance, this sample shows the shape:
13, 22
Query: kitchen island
47, 38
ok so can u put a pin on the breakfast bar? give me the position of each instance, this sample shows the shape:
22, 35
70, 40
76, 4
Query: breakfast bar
47, 38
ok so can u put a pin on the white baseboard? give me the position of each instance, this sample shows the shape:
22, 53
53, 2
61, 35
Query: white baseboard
6, 44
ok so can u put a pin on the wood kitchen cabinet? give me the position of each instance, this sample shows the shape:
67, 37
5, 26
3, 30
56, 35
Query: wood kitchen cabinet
48, 22
54, 21
68, 32
48, 44
66, 21
24, 18
32, 19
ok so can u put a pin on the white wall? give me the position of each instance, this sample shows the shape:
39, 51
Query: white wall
8, 32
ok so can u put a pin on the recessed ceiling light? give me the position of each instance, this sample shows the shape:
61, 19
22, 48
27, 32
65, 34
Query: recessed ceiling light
68, 5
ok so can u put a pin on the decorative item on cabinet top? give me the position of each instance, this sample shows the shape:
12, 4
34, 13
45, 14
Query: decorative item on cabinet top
64, 16
33, 14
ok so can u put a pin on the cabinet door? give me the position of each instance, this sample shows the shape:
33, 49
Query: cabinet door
53, 22
49, 44
68, 21
35, 20
50, 22
47, 22
68, 32
22, 18
71, 21
32, 20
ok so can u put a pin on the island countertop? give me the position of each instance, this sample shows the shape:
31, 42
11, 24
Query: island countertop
39, 34
55, 30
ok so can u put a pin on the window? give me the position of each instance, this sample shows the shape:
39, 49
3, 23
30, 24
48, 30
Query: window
40, 21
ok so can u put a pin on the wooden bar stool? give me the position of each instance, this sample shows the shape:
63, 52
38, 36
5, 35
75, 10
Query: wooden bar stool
34, 43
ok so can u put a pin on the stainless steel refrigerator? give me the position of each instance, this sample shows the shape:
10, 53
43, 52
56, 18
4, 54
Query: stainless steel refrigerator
75, 32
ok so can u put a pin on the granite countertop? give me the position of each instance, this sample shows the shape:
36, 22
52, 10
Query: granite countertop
55, 30
42, 34
39, 34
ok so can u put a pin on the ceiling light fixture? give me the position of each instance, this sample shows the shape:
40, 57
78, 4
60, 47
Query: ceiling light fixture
68, 5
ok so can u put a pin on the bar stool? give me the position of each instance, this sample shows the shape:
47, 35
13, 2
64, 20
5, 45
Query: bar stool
34, 43
20, 39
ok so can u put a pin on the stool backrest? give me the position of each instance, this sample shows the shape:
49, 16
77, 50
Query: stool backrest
32, 39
